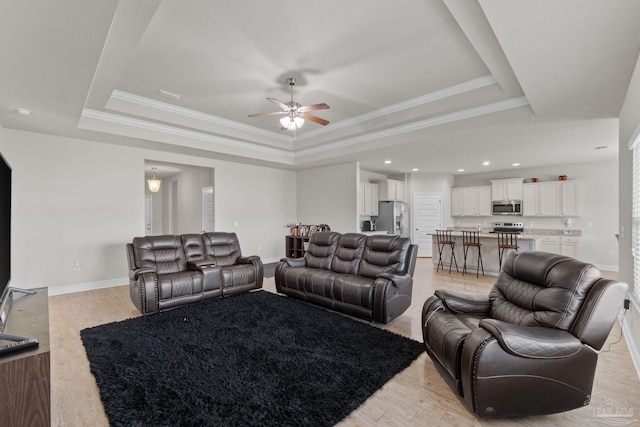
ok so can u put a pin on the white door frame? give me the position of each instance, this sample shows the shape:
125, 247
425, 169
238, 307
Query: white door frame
148, 215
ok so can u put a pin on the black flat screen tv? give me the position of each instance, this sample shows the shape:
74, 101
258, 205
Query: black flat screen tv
5, 225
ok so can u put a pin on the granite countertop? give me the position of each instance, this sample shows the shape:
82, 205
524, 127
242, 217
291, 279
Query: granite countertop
526, 235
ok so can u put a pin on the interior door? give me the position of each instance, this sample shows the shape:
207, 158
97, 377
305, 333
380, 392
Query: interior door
207, 210
427, 217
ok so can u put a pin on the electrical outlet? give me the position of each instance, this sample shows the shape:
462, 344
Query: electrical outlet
627, 304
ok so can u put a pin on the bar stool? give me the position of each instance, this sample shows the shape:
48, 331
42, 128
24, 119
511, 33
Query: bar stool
471, 239
444, 239
506, 241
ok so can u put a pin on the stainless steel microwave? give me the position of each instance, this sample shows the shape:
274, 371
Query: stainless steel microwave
511, 207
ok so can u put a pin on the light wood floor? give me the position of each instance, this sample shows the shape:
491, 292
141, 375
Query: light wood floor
416, 397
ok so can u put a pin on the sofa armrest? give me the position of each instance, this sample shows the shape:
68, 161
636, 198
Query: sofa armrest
397, 280
464, 303
532, 342
199, 264
248, 259
135, 274
294, 262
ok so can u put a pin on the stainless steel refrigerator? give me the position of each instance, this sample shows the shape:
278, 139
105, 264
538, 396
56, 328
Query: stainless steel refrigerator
393, 217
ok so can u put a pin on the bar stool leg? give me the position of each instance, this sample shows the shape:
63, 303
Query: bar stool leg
479, 262
440, 248
464, 267
453, 257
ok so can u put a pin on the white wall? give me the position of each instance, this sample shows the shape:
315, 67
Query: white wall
629, 125
328, 195
599, 205
78, 200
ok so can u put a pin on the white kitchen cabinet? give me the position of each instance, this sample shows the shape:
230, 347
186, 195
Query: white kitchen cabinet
506, 189
541, 199
391, 189
549, 244
564, 245
570, 198
570, 246
368, 199
484, 201
471, 201
551, 199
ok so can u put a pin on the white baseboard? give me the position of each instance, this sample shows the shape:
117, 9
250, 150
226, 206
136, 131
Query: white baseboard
90, 286
603, 267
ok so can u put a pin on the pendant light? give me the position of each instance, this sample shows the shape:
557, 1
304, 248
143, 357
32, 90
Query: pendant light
154, 183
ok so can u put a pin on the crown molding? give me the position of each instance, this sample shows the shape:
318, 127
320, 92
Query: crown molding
434, 121
194, 114
405, 105
172, 130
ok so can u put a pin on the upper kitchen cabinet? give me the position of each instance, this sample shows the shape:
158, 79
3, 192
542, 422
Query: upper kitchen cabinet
570, 198
368, 199
390, 190
551, 199
506, 189
471, 201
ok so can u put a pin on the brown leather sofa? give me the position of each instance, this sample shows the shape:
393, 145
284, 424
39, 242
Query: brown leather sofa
364, 276
168, 271
530, 346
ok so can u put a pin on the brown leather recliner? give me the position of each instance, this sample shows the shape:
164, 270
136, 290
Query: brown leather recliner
168, 271
529, 347
370, 277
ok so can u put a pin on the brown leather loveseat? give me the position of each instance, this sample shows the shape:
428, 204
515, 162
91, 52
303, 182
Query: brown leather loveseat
364, 276
168, 271
530, 346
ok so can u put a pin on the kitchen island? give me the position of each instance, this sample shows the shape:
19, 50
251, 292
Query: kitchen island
489, 248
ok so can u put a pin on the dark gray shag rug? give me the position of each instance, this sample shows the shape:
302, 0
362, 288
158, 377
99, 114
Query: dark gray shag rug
256, 359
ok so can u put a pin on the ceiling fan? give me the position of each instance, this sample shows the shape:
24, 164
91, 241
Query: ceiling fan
295, 114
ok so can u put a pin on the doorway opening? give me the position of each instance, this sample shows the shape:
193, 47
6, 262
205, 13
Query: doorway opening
179, 206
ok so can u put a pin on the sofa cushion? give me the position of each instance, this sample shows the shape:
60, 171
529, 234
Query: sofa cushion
239, 274
164, 254
348, 253
193, 247
319, 282
384, 253
541, 289
179, 284
354, 290
322, 247
223, 248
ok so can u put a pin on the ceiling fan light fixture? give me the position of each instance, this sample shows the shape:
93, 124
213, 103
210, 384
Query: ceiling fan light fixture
292, 123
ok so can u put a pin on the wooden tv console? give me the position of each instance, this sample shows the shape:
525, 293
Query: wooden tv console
25, 379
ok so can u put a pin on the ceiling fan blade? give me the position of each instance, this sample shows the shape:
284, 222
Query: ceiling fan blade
313, 107
282, 105
274, 113
318, 120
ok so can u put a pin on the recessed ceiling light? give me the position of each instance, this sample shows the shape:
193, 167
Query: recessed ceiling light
460, 170
23, 111
387, 162
515, 164
415, 170
486, 163
600, 147
167, 94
